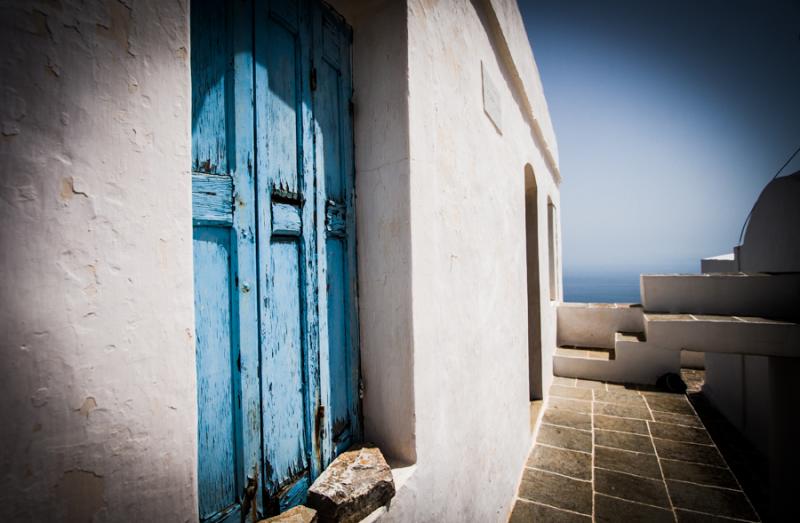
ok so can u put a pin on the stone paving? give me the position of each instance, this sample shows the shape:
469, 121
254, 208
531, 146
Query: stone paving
605, 452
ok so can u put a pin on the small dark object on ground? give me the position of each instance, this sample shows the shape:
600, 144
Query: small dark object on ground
671, 382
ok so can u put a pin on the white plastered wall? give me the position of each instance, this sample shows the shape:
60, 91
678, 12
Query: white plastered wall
97, 323
468, 259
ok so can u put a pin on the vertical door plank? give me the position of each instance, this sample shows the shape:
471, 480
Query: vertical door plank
284, 394
209, 67
224, 252
288, 301
241, 150
336, 251
216, 475
219, 471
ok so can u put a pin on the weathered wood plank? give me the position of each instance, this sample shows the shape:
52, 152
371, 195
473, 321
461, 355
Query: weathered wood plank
242, 165
285, 219
216, 422
287, 308
283, 384
227, 329
218, 379
336, 248
279, 74
209, 88
212, 199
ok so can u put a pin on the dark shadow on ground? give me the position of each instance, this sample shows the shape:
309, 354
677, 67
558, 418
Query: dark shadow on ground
749, 466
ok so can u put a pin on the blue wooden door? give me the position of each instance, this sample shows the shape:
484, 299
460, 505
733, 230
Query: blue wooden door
274, 250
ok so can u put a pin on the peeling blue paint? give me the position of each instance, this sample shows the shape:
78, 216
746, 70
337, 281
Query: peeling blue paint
275, 266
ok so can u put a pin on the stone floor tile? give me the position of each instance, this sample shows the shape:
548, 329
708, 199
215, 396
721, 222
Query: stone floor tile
625, 438
702, 474
620, 424
622, 411
676, 404
614, 510
571, 392
679, 433
565, 438
567, 418
567, 462
557, 491
625, 461
631, 488
588, 384
703, 454
530, 512
685, 516
624, 441
621, 397
570, 404
711, 500
677, 419
567, 382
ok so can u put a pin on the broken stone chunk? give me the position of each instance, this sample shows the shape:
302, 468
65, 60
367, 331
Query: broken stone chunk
357, 483
298, 514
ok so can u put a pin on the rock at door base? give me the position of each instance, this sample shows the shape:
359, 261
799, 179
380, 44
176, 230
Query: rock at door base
353, 486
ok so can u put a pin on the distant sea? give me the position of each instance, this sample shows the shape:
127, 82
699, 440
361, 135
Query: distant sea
602, 288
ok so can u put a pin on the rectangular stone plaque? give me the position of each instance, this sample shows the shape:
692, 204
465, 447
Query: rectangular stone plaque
491, 99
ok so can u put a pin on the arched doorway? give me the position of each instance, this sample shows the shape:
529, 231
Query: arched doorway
532, 261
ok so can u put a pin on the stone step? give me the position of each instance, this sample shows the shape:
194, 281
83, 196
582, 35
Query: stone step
634, 361
571, 351
632, 337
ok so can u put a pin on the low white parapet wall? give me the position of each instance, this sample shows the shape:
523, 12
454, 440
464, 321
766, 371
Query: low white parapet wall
721, 263
594, 324
767, 295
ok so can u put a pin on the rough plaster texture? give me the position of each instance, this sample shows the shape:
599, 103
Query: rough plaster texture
97, 320
468, 259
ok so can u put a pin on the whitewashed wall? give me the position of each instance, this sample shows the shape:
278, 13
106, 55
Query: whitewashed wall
96, 316
468, 261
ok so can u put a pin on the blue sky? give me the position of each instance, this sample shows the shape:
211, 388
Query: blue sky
670, 118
